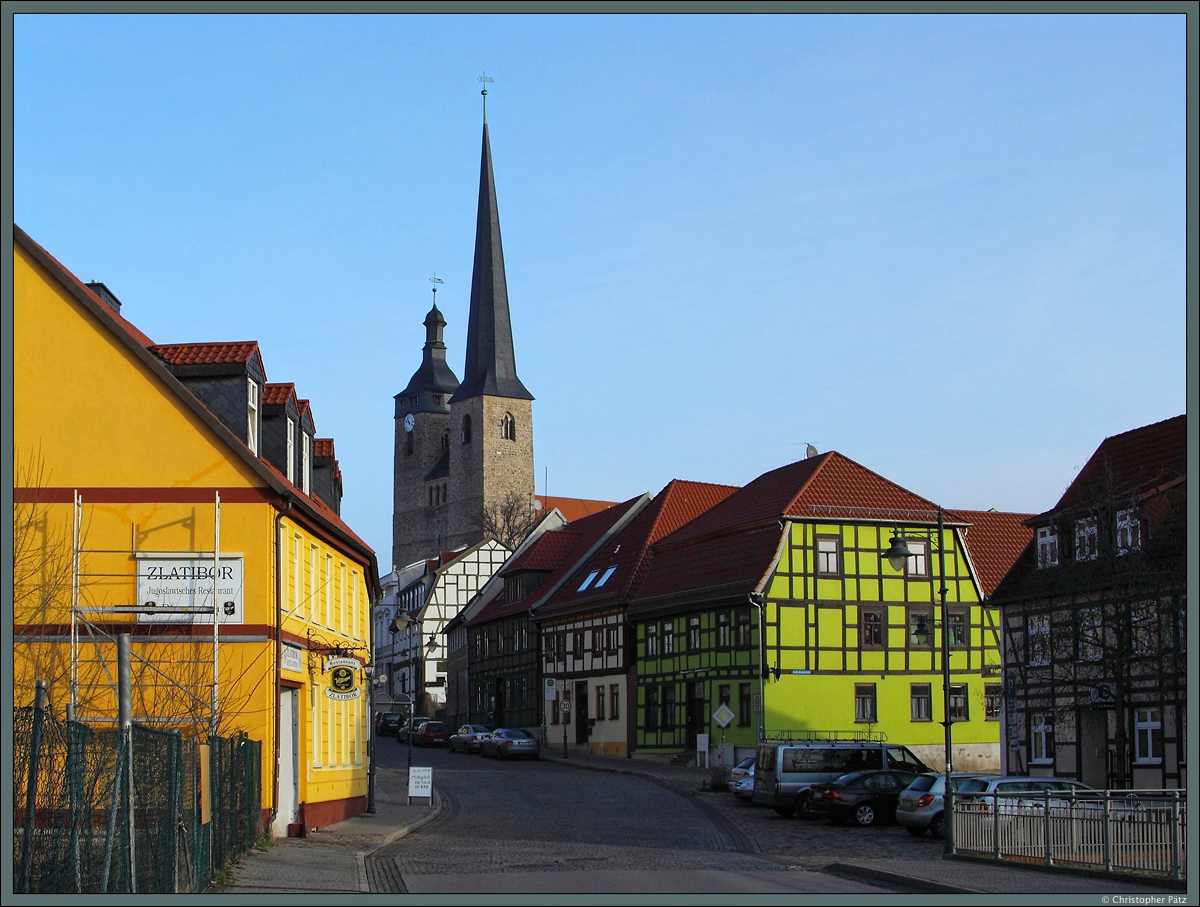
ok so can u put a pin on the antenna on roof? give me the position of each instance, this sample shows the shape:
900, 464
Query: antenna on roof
485, 78
435, 280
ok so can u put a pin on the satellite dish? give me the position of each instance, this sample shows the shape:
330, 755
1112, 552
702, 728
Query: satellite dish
809, 451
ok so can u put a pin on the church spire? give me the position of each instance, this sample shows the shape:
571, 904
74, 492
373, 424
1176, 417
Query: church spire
491, 368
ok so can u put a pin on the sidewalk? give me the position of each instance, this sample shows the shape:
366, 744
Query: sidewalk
334, 858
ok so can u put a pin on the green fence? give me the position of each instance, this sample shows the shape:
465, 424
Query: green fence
99, 811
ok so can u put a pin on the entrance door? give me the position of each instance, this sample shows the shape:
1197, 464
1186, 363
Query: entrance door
580, 706
696, 722
287, 795
498, 710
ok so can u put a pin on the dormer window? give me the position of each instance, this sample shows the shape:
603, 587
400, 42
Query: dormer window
291, 450
1047, 548
1086, 539
306, 462
1129, 532
253, 397
508, 427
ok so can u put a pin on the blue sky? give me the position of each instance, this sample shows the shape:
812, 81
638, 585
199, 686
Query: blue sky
951, 248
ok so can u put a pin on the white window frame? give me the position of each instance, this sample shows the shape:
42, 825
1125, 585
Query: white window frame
291, 450
306, 462
1041, 739
918, 557
829, 561
1147, 736
1047, 547
1087, 539
253, 400
1129, 532
1091, 634
1037, 633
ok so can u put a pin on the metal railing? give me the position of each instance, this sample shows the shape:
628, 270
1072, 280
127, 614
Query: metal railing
1118, 831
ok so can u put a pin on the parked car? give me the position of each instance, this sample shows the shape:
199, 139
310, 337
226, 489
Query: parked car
784, 773
743, 788
387, 724
1016, 795
409, 728
862, 797
505, 742
743, 769
466, 739
921, 806
432, 733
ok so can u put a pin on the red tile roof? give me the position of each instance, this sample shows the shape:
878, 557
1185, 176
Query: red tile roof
322, 447
1132, 462
570, 508
628, 550
994, 541
547, 552
574, 541
278, 394
206, 353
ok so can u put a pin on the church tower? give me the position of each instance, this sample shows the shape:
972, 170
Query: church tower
471, 443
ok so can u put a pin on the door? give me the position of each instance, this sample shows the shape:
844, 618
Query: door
581, 712
696, 719
499, 719
286, 794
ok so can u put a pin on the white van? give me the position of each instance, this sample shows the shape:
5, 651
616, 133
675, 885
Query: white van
784, 773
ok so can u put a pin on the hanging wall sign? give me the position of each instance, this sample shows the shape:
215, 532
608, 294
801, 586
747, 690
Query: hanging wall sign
178, 588
342, 678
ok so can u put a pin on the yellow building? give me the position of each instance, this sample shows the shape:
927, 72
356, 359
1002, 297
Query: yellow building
152, 481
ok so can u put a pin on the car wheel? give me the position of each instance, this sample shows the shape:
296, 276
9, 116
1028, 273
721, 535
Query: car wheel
864, 815
786, 811
804, 809
915, 831
937, 827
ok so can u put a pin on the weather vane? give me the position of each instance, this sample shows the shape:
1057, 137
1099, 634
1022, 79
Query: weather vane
485, 78
435, 280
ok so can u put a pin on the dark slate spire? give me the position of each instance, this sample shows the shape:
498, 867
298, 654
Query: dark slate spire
491, 368
434, 375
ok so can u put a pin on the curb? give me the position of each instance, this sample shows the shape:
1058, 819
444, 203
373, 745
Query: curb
360, 858
897, 878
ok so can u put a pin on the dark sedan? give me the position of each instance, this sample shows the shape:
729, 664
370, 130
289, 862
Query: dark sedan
387, 724
863, 798
505, 742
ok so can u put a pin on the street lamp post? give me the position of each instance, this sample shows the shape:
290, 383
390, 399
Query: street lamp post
401, 622
898, 555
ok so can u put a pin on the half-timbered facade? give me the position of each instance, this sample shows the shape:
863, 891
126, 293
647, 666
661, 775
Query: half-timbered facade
430, 601
584, 620
779, 605
1095, 621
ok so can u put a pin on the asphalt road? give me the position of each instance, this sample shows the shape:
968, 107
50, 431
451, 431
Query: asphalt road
544, 827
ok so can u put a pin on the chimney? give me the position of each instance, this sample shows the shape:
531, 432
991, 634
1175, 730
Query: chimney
105, 294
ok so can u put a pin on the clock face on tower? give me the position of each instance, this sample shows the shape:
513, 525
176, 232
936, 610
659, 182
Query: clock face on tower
409, 422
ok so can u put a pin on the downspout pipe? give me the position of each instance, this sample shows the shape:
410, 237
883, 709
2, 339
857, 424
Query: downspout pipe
279, 517
756, 600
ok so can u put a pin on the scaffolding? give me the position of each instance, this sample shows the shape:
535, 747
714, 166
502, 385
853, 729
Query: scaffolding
173, 656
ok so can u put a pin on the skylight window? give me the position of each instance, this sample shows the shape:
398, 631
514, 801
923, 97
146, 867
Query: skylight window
604, 578
588, 581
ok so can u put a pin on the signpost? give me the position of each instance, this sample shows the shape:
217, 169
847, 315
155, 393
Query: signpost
565, 708
420, 782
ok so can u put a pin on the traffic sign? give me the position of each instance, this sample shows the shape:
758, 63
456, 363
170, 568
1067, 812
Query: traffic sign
565, 706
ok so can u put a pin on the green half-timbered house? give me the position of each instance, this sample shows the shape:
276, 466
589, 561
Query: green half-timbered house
779, 604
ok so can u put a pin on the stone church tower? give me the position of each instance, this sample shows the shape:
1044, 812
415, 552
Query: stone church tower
463, 449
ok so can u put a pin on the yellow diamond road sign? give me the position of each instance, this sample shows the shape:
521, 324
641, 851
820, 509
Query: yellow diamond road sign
723, 716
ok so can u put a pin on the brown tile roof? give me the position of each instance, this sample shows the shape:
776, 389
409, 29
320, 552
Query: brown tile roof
573, 543
206, 353
570, 508
278, 394
994, 541
628, 550
1132, 462
322, 447
547, 552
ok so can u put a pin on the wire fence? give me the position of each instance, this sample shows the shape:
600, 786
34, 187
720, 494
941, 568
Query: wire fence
143, 811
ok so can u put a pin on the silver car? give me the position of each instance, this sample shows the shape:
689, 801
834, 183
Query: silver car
922, 805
